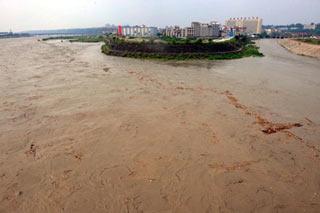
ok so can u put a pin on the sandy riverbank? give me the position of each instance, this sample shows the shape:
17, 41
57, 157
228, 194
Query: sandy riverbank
301, 48
83, 132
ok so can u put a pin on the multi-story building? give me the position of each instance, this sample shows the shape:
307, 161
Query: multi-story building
216, 29
246, 25
205, 30
187, 32
174, 31
197, 30
139, 31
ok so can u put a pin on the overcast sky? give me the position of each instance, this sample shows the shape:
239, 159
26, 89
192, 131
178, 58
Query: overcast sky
20, 15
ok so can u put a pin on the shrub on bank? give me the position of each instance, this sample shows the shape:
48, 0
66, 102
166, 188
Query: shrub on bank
105, 49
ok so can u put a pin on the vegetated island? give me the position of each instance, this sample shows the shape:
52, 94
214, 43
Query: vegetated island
170, 48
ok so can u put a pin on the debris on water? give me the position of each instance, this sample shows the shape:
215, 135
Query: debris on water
274, 128
32, 150
106, 69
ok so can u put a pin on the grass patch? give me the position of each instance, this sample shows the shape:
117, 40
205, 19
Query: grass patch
59, 38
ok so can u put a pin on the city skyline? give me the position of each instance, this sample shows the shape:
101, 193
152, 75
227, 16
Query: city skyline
47, 14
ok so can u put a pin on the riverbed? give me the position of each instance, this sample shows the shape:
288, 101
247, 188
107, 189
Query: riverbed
84, 132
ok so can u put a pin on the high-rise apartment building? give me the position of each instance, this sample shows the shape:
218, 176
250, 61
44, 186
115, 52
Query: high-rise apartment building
196, 29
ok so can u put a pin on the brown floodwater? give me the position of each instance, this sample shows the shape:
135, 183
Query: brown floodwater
84, 132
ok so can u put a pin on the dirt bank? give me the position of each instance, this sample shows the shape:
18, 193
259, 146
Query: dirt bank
84, 132
301, 48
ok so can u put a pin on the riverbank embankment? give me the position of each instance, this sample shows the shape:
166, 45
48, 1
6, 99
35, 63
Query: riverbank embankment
301, 48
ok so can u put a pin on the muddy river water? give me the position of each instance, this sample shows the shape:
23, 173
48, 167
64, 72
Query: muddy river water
85, 132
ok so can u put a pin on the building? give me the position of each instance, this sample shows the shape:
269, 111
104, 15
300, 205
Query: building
205, 30
311, 26
4, 33
216, 29
248, 26
139, 31
187, 32
174, 31
197, 30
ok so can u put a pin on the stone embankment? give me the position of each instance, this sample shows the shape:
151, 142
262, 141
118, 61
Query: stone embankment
301, 48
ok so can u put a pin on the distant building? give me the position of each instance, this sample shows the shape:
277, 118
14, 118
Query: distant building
4, 33
246, 25
13, 35
173, 31
187, 32
197, 30
311, 26
216, 29
283, 28
139, 31
205, 30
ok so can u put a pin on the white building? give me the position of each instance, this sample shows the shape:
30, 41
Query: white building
311, 26
197, 30
139, 31
174, 31
245, 25
215, 29
206, 30
187, 32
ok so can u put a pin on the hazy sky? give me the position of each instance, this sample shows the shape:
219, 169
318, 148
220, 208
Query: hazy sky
21, 15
